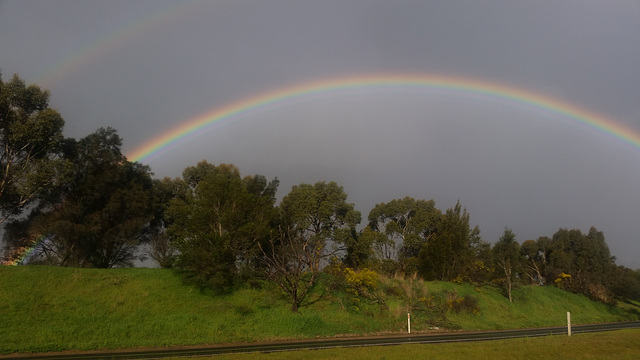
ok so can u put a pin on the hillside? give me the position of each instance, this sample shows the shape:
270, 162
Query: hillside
52, 309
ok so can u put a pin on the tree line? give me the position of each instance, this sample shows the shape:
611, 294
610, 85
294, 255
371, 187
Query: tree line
81, 203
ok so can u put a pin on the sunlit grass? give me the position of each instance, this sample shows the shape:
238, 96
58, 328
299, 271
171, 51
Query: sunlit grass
609, 345
51, 309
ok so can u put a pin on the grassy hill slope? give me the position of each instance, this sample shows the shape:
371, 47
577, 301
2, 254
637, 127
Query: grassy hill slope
53, 309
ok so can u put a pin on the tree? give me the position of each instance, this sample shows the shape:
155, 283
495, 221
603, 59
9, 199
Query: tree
31, 139
311, 217
626, 283
320, 212
585, 258
218, 222
161, 247
292, 263
241, 208
360, 248
161, 250
506, 257
533, 261
100, 215
481, 252
380, 251
451, 252
407, 222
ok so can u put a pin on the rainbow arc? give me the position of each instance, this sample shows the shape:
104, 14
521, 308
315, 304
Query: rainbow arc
380, 83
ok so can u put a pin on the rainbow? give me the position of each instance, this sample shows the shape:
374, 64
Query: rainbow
127, 32
22, 254
381, 83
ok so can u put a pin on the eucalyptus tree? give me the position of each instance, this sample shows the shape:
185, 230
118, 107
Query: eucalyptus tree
218, 222
316, 222
161, 246
451, 253
586, 261
506, 256
31, 139
408, 225
533, 261
102, 212
626, 283
360, 248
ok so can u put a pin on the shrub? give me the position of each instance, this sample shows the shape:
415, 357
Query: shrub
599, 292
563, 281
464, 304
359, 281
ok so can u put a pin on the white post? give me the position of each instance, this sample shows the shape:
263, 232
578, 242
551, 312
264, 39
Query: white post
409, 322
569, 323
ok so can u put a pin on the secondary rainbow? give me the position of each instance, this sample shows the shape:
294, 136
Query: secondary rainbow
115, 38
381, 83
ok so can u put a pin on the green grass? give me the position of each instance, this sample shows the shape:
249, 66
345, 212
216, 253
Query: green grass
54, 309
617, 345
533, 307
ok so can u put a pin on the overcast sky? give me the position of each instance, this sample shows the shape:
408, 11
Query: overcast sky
145, 67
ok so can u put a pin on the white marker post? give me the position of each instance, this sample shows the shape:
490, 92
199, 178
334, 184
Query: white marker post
569, 323
409, 322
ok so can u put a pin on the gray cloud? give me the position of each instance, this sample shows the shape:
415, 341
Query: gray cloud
146, 67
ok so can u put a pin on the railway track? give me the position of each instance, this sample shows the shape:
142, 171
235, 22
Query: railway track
326, 343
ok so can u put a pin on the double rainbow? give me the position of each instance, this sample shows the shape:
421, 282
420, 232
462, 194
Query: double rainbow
381, 83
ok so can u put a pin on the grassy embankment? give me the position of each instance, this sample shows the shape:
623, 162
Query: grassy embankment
54, 309
617, 345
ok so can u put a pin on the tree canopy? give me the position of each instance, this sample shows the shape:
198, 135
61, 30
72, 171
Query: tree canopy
506, 257
408, 224
313, 217
31, 139
585, 258
451, 252
218, 221
101, 213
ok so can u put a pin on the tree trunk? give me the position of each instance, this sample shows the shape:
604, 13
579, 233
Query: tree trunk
294, 301
507, 272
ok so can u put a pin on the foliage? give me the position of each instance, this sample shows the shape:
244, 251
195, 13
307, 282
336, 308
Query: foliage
102, 212
359, 248
506, 256
563, 281
161, 246
161, 250
626, 283
586, 258
206, 261
81, 203
362, 280
31, 162
379, 246
292, 263
386, 267
408, 224
31, 140
321, 212
360, 285
311, 216
533, 261
452, 251
218, 222
467, 303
